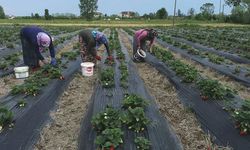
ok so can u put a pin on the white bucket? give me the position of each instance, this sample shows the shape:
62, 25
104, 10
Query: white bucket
21, 72
139, 55
87, 68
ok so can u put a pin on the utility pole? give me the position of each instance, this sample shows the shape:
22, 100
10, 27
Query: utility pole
174, 12
220, 8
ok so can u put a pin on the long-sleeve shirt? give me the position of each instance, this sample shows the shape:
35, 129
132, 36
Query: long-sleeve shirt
30, 33
102, 39
142, 35
94, 40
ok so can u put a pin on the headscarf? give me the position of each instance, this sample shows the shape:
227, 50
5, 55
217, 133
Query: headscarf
43, 39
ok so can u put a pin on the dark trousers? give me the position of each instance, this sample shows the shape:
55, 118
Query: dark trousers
29, 53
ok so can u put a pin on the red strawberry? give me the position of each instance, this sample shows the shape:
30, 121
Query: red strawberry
112, 147
204, 98
243, 133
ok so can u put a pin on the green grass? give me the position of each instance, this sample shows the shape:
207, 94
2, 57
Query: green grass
120, 23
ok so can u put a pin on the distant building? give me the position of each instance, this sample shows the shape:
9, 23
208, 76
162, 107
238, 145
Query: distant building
11, 17
98, 14
127, 14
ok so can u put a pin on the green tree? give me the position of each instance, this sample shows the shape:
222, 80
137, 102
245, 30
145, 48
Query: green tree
240, 11
179, 13
162, 13
46, 14
88, 8
37, 16
2, 14
191, 12
207, 10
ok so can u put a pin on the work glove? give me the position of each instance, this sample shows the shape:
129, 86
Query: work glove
98, 58
110, 58
53, 61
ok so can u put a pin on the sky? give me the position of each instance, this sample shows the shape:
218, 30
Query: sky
26, 7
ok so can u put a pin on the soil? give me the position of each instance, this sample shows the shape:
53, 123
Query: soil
7, 82
182, 119
63, 131
243, 91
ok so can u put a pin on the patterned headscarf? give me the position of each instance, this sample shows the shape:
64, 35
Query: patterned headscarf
43, 39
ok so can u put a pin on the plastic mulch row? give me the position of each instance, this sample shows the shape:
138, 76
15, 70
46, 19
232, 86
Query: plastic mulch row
212, 117
214, 120
29, 121
223, 69
158, 132
233, 57
19, 47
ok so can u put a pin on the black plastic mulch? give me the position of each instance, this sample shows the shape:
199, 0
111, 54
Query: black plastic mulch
212, 117
221, 68
227, 55
214, 120
230, 56
30, 120
18, 48
158, 132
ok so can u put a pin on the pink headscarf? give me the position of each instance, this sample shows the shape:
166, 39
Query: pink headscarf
43, 39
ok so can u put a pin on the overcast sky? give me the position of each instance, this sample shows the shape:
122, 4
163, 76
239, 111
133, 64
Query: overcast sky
26, 7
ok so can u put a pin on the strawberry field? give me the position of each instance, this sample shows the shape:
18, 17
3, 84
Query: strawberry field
192, 92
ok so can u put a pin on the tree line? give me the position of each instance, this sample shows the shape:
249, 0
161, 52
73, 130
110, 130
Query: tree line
240, 12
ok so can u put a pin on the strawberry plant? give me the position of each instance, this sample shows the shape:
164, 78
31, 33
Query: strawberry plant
6, 117
34, 83
142, 143
3, 65
107, 78
135, 119
193, 51
189, 73
162, 54
70, 55
21, 103
109, 62
242, 118
10, 45
133, 101
109, 118
212, 89
237, 70
109, 139
124, 75
76, 46
215, 59
120, 55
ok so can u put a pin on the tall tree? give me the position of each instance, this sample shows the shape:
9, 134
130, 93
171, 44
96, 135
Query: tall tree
37, 16
207, 8
88, 8
2, 14
191, 12
179, 13
162, 13
207, 11
243, 3
46, 14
